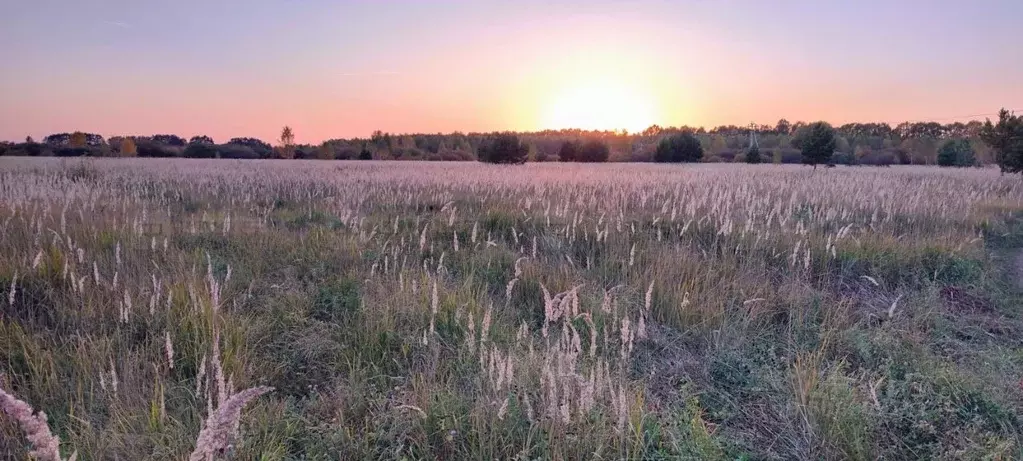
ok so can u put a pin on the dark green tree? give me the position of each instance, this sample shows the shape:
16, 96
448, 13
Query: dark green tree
593, 151
817, 143
1006, 139
201, 139
678, 148
200, 150
503, 148
569, 151
956, 152
168, 140
753, 155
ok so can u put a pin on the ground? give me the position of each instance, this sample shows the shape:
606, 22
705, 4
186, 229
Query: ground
540, 311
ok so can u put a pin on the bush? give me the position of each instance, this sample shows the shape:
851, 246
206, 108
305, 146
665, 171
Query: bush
503, 148
25, 149
956, 152
593, 152
753, 155
569, 151
262, 149
237, 151
71, 152
198, 150
843, 158
678, 148
152, 149
817, 143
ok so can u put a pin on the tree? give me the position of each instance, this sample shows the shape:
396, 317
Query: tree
286, 144
201, 139
200, 150
817, 143
29, 140
259, 147
569, 151
783, 127
753, 155
956, 152
593, 151
128, 148
1006, 140
169, 140
324, 152
678, 148
78, 140
503, 148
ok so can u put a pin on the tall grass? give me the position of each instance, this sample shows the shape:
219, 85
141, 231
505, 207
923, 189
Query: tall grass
466, 311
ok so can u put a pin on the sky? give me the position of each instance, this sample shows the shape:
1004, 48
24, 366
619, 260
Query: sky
330, 69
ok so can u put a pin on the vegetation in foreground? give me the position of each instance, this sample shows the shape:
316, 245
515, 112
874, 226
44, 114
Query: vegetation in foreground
469, 311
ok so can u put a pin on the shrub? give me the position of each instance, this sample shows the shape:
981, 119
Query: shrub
25, 149
71, 152
200, 151
262, 149
753, 155
153, 149
844, 158
956, 152
237, 151
593, 151
503, 148
569, 151
678, 148
817, 143
884, 157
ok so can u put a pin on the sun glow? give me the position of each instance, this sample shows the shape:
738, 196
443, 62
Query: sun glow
600, 105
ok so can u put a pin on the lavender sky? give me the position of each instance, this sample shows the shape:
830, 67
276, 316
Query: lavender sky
344, 68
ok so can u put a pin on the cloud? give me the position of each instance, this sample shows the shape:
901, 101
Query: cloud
120, 24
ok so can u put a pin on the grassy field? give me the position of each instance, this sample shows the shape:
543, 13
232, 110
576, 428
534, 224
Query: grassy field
545, 311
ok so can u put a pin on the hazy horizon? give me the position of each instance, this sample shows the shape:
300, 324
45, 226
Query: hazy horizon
344, 69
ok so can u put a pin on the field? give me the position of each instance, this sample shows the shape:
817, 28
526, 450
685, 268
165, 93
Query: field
544, 311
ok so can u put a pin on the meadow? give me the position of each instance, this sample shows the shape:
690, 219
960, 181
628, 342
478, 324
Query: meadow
178, 309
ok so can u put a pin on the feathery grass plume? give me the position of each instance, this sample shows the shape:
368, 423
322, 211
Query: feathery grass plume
168, 348
485, 326
200, 375
14, 287
113, 377
508, 289
45, 445
220, 429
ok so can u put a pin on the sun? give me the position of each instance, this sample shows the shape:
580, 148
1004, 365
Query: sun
600, 105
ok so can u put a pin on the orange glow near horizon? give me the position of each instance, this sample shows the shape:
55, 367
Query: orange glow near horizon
325, 69
600, 105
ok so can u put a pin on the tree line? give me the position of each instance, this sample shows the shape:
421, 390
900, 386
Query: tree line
953, 144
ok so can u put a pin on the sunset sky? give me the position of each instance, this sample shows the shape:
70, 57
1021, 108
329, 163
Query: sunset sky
342, 69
